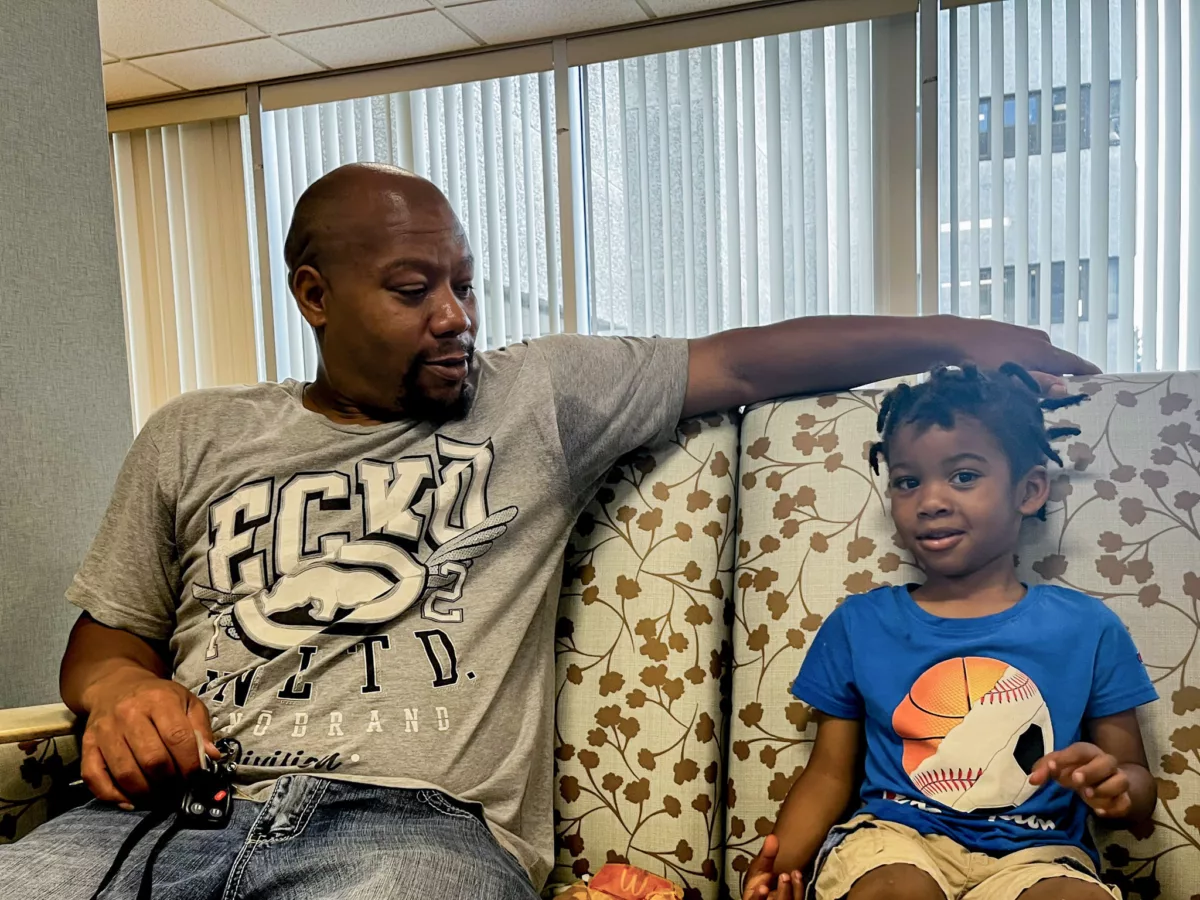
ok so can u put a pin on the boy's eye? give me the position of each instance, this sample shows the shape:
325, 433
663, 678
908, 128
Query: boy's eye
962, 478
904, 483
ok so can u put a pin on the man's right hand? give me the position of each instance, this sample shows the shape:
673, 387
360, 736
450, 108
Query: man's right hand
761, 881
140, 733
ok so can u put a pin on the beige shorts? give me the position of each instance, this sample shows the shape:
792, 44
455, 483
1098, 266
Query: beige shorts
957, 871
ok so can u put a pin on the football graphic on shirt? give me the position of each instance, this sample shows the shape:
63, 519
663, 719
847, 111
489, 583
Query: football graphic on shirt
972, 729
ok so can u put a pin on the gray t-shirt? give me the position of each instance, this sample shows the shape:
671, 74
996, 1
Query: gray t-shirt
378, 603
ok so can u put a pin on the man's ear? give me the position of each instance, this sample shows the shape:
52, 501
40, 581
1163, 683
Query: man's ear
311, 291
1033, 490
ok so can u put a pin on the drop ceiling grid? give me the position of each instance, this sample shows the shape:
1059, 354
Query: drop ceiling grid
160, 47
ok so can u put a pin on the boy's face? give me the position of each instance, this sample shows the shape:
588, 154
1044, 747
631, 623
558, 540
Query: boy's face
955, 501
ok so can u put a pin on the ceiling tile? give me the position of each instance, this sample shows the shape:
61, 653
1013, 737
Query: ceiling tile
125, 82
229, 64
298, 15
503, 21
145, 27
404, 37
683, 7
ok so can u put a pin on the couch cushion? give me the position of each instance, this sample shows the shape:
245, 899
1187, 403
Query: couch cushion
1122, 525
641, 650
35, 779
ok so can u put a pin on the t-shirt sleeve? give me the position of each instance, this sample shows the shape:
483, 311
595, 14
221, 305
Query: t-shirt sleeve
130, 576
826, 679
1119, 679
612, 395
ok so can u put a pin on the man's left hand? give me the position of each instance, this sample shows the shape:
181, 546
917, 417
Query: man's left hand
990, 344
1094, 775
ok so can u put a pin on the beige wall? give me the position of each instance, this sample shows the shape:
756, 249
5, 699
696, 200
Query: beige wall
64, 394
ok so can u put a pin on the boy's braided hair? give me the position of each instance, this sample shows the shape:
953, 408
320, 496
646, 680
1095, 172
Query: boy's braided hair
1007, 403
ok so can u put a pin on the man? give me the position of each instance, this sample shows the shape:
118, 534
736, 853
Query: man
357, 578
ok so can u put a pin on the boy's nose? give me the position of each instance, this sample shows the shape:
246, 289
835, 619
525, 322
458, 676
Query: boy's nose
932, 504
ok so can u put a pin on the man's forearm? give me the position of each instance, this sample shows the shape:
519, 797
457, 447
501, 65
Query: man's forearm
820, 354
830, 353
96, 652
813, 806
813, 355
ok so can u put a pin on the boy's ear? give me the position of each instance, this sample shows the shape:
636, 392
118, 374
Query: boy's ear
1033, 490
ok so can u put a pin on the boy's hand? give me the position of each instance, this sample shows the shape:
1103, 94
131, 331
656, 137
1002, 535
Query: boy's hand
761, 881
1094, 775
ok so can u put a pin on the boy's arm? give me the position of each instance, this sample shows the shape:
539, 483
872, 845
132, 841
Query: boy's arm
1121, 737
813, 806
820, 795
1111, 774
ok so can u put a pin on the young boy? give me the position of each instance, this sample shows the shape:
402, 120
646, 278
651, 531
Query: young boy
995, 715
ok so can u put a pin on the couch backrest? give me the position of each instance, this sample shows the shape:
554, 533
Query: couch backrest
1122, 525
640, 732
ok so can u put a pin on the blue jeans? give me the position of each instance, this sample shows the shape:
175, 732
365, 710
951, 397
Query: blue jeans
313, 839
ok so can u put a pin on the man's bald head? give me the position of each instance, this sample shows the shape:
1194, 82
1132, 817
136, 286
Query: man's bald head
382, 270
345, 209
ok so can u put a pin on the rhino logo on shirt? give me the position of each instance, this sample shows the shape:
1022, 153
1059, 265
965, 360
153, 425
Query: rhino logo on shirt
412, 508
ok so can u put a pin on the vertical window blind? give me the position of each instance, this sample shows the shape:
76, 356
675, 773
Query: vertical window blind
1068, 185
730, 185
722, 186
185, 260
488, 145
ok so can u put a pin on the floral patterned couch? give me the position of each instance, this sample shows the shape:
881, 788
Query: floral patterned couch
698, 576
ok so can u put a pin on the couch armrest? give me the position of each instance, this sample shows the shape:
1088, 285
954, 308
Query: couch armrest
39, 767
35, 723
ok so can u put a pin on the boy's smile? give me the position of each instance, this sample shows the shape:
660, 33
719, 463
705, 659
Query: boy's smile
955, 501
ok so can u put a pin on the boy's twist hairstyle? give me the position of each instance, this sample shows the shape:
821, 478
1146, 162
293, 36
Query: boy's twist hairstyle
1007, 403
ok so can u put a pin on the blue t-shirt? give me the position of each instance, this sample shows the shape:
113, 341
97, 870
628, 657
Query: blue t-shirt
957, 711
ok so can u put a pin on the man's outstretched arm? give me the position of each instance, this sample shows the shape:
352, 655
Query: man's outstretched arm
830, 353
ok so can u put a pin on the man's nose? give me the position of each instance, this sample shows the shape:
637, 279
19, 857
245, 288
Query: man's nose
451, 315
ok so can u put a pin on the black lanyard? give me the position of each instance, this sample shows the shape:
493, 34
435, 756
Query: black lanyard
206, 805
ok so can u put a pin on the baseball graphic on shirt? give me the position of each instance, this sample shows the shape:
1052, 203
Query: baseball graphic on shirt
972, 728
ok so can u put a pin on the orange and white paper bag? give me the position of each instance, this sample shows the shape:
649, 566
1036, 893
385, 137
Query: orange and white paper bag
620, 882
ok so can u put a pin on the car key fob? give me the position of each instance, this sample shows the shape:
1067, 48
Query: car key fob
208, 794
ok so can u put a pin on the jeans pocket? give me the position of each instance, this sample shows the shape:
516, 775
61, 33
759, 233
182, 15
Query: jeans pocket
448, 806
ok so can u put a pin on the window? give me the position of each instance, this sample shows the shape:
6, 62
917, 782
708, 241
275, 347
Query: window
1058, 290
1035, 124
985, 128
726, 187
489, 145
185, 257
1110, 211
985, 293
1058, 119
1010, 126
1035, 291
1114, 114
734, 184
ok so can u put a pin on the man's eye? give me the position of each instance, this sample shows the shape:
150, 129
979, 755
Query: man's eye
409, 291
464, 290
961, 478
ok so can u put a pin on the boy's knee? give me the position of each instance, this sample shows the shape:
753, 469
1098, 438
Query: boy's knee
1065, 889
898, 881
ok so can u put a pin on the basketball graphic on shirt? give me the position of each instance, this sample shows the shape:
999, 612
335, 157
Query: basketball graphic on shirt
972, 729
